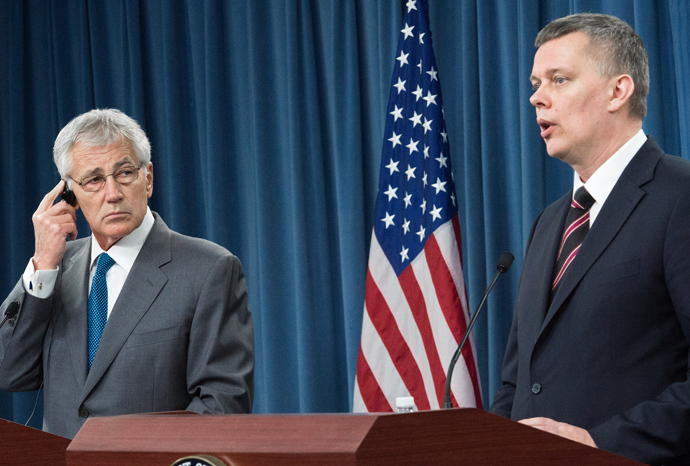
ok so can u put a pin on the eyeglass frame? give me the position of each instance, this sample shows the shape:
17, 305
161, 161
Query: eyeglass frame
105, 178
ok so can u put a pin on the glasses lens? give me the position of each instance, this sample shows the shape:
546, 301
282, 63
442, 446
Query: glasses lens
126, 174
93, 183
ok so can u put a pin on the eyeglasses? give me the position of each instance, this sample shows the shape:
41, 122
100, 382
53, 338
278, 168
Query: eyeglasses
124, 176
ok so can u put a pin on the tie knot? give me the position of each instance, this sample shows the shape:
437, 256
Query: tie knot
104, 264
583, 200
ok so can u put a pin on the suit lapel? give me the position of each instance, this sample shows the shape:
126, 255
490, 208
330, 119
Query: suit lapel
74, 289
620, 204
542, 260
139, 291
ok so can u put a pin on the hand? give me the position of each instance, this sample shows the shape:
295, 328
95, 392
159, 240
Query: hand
561, 429
52, 224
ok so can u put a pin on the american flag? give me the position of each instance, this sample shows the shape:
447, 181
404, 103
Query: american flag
415, 309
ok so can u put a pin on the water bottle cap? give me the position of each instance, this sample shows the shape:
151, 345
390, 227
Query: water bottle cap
404, 402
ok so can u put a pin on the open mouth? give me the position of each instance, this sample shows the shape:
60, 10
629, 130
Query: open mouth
546, 127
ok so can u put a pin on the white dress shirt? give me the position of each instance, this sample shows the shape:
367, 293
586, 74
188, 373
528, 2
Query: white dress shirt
601, 183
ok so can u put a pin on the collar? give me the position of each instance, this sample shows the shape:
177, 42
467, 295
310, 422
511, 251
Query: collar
601, 183
125, 251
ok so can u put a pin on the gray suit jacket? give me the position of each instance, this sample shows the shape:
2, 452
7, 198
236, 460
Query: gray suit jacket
180, 336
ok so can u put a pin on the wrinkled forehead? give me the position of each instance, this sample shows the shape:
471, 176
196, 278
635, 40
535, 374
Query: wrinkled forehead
102, 158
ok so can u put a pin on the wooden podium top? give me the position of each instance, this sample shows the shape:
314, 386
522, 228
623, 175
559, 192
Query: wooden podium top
456, 436
28, 446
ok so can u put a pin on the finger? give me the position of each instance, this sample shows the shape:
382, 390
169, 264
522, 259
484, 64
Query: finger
49, 198
65, 219
68, 223
57, 213
535, 421
72, 232
63, 208
542, 423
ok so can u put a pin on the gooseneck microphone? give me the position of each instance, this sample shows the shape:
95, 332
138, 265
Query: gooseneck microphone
504, 263
11, 312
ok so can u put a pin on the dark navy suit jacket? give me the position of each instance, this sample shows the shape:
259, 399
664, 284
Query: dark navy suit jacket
610, 353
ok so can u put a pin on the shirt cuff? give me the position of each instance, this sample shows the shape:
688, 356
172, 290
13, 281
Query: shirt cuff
39, 283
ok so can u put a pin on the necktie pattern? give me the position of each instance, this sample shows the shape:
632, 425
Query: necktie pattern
98, 304
576, 228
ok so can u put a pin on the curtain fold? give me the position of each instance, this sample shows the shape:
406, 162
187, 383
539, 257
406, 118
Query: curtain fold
266, 122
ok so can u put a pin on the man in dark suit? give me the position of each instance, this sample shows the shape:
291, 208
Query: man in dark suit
598, 350
179, 334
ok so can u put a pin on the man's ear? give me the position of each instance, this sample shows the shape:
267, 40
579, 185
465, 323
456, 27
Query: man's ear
149, 180
620, 90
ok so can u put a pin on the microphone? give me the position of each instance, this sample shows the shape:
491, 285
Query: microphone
10, 313
504, 263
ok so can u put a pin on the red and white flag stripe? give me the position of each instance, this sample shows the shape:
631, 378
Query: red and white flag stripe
412, 326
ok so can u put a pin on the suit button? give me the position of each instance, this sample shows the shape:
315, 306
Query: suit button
536, 388
83, 412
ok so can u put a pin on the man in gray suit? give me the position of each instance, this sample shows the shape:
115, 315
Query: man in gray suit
179, 334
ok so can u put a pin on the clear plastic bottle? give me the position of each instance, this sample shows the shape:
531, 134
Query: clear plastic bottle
404, 404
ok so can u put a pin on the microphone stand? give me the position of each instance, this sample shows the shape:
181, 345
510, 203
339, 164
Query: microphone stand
504, 263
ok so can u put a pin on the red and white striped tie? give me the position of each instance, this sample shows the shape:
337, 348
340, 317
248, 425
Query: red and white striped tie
576, 228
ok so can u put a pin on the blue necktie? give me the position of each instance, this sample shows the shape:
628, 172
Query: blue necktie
98, 304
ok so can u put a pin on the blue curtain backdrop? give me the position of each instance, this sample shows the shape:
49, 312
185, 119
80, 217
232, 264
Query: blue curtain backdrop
266, 121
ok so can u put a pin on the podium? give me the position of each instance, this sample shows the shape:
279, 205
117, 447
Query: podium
456, 436
29, 446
